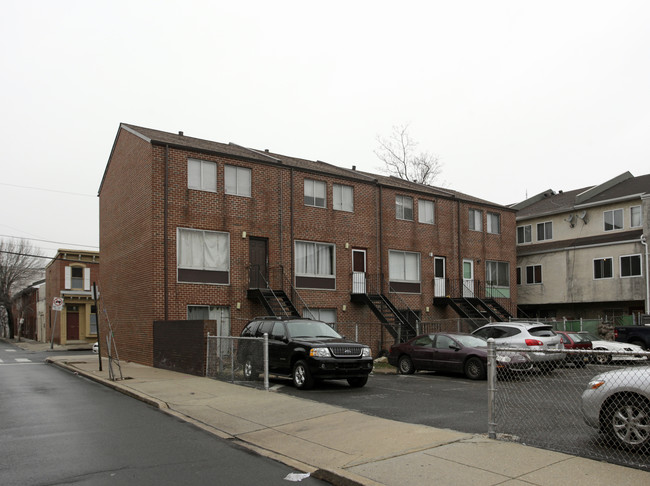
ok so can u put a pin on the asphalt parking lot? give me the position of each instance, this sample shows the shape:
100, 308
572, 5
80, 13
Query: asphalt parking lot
537, 409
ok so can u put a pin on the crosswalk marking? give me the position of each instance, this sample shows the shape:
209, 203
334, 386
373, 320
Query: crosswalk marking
23, 360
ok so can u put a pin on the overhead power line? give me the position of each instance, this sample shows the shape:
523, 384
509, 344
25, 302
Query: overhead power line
48, 190
48, 241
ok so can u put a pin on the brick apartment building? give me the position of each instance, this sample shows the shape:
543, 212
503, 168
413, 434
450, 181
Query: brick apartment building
194, 229
69, 276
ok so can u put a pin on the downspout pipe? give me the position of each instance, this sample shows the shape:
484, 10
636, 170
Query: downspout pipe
644, 242
165, 235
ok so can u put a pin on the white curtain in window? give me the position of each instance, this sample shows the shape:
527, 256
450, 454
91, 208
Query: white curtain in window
324, 260
216, 252
314, 259
204, 250
404, 266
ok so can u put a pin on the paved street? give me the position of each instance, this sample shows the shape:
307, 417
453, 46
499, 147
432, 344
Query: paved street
60, 428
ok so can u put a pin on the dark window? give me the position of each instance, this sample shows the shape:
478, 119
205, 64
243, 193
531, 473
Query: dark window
603, 268
631, 266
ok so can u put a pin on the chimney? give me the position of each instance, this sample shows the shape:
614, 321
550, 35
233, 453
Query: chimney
180, 133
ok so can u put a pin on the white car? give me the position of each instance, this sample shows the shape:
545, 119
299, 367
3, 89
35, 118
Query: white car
599, 344
618, 404
534, 336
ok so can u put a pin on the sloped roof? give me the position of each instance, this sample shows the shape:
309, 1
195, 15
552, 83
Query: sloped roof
158, 137
551, 202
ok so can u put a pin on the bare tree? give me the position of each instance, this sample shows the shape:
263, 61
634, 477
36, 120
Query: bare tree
398, 152
19, 263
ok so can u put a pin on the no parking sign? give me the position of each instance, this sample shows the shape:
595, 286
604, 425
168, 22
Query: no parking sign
57, 304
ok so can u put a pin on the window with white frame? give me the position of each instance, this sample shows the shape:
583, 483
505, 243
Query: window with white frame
342, 198
613, 219
203, 256
404, 266
497, 274
77, 278
545, 231
524, 234
426, 213
315, 193
603, 268
202, 175
404, 208
533, 274
237, 180
315, 259
475, 220
635, 216
494, 223
631, 266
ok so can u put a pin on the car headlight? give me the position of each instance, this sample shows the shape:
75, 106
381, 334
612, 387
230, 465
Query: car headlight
365, 352
504, 359
320, 353
596, 384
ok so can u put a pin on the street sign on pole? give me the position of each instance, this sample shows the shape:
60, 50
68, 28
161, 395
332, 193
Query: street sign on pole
57, 304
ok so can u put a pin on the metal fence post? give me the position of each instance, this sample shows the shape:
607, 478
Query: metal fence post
492, 388
266, 361
207, 357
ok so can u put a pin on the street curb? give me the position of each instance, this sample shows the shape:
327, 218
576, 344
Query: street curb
335, 477
125, 391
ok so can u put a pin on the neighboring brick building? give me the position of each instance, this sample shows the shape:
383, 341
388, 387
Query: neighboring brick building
70, 276
25, 308
194, 229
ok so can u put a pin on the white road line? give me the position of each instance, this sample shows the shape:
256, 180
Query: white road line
23, 360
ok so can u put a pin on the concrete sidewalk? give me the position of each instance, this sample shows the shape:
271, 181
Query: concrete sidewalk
346, 447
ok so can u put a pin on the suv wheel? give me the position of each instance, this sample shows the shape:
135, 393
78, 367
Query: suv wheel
627, 420
301, 376
250, 373
358, 381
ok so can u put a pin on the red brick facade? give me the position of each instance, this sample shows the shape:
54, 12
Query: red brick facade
75, 323
144, 199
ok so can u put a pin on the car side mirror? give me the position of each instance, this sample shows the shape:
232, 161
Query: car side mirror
454, 347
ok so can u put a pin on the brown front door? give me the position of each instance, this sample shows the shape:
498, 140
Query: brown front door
258, 256
72, 323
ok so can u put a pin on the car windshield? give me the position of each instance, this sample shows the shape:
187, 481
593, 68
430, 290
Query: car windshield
578, 338
470, 341
587, 336
311, 329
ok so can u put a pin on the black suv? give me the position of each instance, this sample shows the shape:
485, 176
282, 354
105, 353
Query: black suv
305, 349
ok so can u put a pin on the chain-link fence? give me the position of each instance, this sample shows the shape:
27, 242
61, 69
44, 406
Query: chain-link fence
241, 360
581, 407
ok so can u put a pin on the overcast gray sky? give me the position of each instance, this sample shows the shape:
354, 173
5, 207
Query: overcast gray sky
515, 97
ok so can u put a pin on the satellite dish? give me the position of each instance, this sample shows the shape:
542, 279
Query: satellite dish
570, 220
583, 216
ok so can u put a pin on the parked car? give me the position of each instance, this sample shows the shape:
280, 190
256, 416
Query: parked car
599, 344
535, 336
304, 349
574, 340
638, 335
618, 403
454, 352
